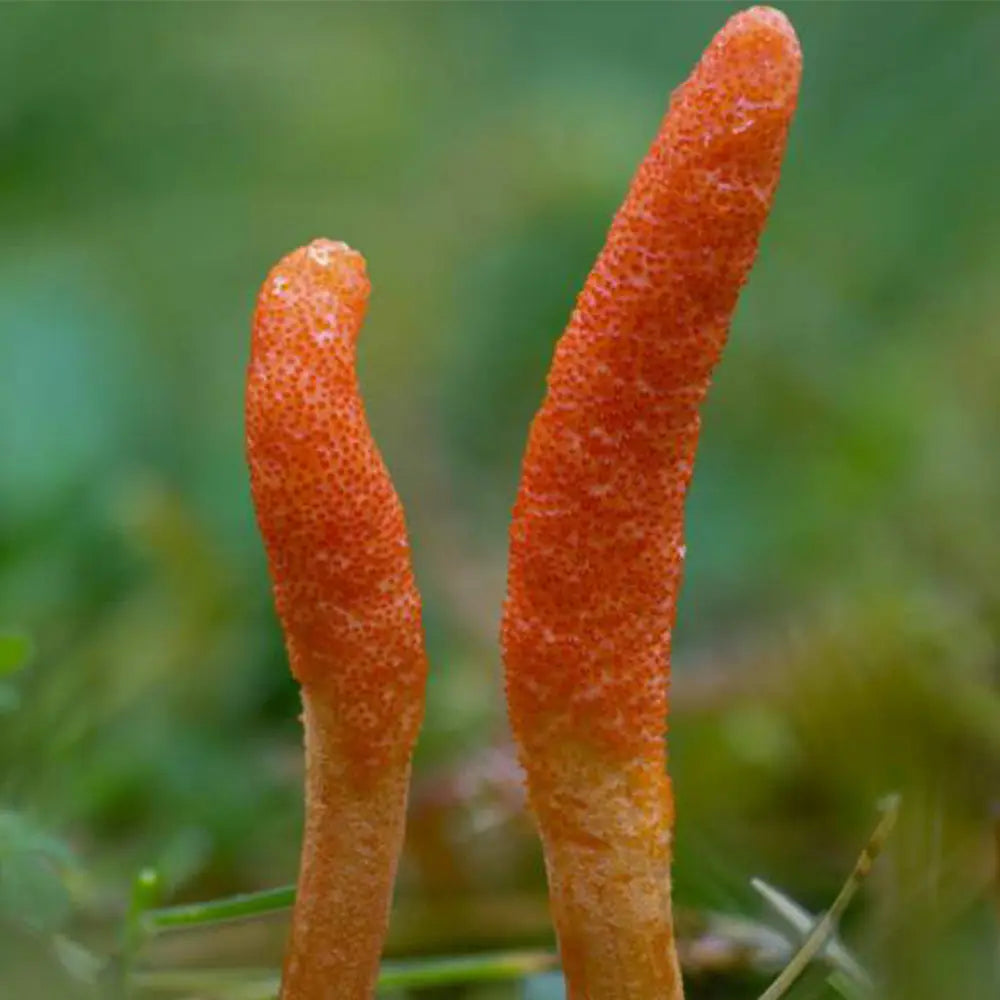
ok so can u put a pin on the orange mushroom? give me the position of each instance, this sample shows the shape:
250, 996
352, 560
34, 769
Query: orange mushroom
597, 542
343, 586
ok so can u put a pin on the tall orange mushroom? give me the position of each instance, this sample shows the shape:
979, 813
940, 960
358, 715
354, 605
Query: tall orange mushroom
597, 544
343, 586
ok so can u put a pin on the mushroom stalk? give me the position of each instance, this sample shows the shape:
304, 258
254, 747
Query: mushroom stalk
344, 591
596, 541
353, 837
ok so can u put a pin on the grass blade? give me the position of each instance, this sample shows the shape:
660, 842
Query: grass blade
826, 926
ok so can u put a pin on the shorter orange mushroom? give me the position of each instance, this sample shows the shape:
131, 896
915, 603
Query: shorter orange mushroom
343, 586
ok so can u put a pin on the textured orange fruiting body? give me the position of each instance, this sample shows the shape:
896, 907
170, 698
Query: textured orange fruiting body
596, 543
343, 586
332, 523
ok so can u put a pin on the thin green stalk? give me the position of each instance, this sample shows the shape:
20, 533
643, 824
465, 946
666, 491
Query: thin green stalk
247, 904
256, 984
826, 926
145, 893
802, 923
465, 969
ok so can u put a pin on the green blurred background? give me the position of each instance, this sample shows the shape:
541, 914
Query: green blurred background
839, 626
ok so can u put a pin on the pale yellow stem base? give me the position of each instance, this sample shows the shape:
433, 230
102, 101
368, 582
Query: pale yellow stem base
606, 828
353, 836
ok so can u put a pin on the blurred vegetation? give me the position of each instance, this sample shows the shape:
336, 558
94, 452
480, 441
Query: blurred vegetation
839, 628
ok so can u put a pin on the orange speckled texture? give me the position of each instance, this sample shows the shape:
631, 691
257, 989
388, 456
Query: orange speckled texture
597, 534
331, 521
597, 542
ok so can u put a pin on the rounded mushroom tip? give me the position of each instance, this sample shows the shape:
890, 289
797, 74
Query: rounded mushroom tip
762, 14
758, 48
332, 253
322, 264
334, 261
771, 23
325, 280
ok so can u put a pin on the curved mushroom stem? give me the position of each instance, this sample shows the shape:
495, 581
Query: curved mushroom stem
339, 558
